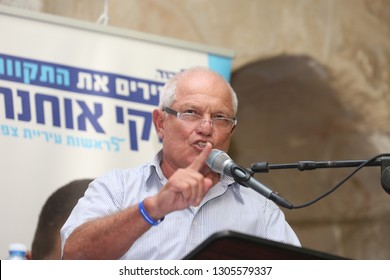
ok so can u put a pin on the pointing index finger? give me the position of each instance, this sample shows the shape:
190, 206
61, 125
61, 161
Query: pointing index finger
201, 158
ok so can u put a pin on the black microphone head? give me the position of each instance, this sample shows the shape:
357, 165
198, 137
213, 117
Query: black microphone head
385, 179
217, 161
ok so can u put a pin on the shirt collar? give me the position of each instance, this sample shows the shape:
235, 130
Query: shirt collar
156, 164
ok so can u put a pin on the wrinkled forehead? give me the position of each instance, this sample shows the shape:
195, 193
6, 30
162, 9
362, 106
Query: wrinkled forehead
203, 84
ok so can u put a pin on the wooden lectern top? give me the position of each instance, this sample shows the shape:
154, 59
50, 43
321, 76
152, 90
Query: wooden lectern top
230, 245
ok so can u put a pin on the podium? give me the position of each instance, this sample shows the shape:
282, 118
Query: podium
231, 245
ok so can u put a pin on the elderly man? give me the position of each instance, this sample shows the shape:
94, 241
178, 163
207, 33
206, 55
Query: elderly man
164, 209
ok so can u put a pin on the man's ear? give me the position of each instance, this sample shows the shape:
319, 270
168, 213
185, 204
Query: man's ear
234, 127
158, 121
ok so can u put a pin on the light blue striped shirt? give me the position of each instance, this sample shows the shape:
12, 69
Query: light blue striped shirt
227, 206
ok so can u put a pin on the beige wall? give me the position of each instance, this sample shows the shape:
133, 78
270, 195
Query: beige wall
313, 81
350, 37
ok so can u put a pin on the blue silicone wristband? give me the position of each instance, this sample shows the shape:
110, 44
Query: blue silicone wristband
146, 216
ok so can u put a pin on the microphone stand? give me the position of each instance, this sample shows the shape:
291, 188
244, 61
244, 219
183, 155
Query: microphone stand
264, 167
382, 160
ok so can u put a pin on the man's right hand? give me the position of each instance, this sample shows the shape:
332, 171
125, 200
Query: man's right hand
186, 187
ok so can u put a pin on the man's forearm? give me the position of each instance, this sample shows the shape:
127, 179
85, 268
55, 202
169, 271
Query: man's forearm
109, 237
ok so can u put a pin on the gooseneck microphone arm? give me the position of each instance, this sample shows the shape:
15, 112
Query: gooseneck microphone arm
220, 162
244, 177
382, 160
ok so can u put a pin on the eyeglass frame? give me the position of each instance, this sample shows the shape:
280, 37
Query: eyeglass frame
179, 114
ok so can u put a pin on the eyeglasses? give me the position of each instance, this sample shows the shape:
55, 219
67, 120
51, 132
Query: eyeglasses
221, 124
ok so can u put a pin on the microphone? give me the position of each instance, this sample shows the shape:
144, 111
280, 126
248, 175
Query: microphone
220, 162
385, 174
